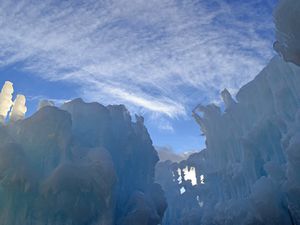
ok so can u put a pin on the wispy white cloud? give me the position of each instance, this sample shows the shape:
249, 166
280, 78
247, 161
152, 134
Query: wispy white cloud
159, 56
162, 123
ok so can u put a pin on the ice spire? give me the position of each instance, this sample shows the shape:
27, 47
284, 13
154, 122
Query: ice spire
5, 100
19, 108
227, 98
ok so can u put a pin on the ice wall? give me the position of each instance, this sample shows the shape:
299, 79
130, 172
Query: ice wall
288, 33
249, 172
82, 164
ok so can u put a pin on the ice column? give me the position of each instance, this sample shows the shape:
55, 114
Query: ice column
5, 100
19, 108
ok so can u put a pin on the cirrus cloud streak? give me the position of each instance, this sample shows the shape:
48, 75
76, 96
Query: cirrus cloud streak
161, 56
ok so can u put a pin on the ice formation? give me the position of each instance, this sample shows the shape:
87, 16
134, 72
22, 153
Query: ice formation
227, 98
288, 33
81, 164
190, 174
18, 109
87, 164
249, 172
6, 100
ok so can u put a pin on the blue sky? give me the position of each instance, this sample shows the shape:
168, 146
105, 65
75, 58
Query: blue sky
158, 57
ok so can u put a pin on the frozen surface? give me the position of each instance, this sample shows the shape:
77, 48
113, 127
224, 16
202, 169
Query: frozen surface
249, 171
5, 100
81, 164
14, 109
18, 109
288, 30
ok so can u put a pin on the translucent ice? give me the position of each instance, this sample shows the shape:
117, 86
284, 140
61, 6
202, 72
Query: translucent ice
288, 32
6, 100
18, 109
249, 171
83, 164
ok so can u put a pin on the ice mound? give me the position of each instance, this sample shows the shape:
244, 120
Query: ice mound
81, 164
249, 171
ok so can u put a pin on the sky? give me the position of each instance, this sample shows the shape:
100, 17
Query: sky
160, 58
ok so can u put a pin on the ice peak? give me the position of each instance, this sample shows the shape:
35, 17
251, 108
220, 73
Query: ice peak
17, 107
